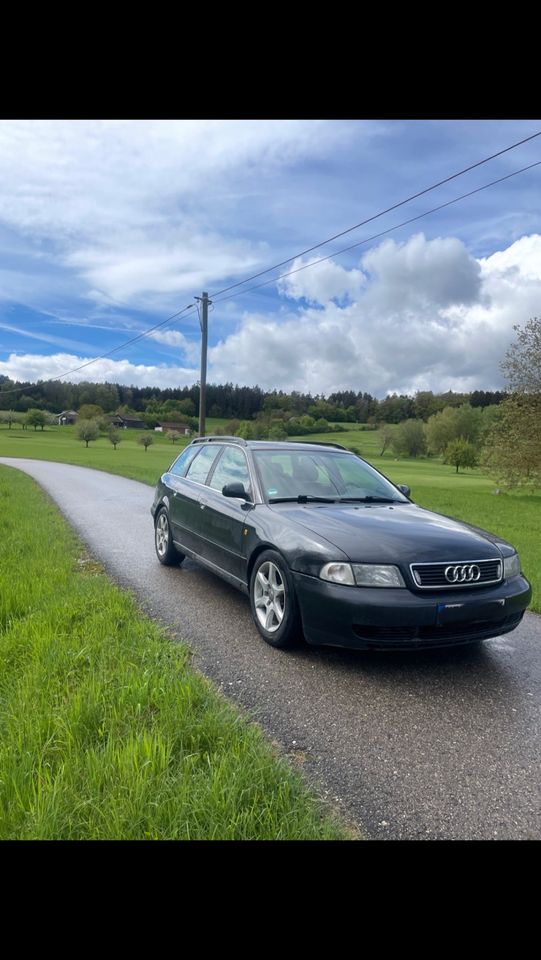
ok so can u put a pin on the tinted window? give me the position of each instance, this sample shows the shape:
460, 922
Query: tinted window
182, 462
231, 468
200, 466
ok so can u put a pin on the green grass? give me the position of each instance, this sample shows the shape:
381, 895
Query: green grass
106, 732
128, 460
467, 495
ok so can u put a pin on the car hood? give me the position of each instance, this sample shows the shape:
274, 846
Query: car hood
395, 533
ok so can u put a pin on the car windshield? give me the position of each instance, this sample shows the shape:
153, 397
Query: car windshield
322, 474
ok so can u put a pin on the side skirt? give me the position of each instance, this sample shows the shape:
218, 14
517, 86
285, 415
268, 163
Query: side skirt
213, 567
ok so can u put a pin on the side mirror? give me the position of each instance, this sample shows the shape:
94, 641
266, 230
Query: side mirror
236, 490
403, 487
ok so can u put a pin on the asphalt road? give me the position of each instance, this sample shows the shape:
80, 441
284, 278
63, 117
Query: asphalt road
431, 745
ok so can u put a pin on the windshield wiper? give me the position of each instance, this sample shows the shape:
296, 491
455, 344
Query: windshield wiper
368, 500
302, 498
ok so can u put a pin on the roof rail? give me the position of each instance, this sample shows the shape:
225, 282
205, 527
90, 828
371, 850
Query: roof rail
322, 443
215, 439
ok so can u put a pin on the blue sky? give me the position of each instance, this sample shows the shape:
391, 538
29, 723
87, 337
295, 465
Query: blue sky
108, 227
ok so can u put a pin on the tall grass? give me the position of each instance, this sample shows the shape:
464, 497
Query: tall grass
106, 731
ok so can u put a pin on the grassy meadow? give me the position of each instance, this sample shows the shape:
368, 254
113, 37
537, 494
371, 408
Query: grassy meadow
468, 495
106, 731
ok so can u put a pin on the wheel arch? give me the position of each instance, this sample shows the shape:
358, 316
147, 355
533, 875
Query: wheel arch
261, 548
164, 502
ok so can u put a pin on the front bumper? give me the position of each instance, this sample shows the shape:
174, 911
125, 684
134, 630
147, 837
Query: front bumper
364, 617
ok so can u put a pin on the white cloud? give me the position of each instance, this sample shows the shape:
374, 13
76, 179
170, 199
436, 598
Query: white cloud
430, 317
522, 258
176, 339
439, 273
35, 367
328, 281
145, 208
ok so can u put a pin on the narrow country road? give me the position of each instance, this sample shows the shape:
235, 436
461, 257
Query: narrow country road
432, 745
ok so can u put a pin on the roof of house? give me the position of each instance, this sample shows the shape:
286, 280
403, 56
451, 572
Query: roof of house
129, 420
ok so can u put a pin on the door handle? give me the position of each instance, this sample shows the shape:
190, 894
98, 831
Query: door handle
202, 504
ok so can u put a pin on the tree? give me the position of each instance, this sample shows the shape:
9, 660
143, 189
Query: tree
245, 430
468, 422
115, 437
9, 417
396, 409
426, 404
104, 423
512, 453
386, 433
460, 453
442, 428
90, 411
277, 432
409, 439
491, 416
146, 440
522, 363
36, 418
187, 406
173, 435
87, 430
513, 446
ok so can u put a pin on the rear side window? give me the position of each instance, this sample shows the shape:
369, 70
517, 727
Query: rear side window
200, 465
183, 462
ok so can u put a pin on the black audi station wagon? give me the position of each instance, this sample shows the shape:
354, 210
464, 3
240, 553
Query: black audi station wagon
326, 546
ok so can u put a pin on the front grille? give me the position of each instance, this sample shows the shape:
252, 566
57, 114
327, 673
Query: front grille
467, 573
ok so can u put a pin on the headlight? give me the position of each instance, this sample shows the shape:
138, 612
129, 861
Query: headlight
511, 566
362, 575
338, 573
370, 575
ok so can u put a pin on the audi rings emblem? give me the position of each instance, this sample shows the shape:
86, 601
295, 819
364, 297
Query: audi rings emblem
468, 573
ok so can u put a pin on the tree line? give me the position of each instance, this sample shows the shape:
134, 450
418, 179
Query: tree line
233, 401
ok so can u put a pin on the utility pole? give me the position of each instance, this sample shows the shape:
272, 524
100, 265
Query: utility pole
203, 320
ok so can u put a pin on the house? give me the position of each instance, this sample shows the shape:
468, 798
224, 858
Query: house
162, 427
66, 417
128, 423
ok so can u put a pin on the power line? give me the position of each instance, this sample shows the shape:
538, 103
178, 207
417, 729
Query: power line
102, 356
376, 216
376, 236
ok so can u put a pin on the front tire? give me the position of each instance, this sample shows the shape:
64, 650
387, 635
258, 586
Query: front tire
273, 600
166, 551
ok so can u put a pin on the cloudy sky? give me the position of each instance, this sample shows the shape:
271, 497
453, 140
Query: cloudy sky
108, 227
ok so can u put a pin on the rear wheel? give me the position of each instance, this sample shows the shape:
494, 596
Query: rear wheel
166, 551
273, 600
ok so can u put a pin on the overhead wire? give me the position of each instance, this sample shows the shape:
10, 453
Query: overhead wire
102, 356
376, 236
376, 216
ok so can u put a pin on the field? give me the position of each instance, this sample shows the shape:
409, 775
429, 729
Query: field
468, 495
107, 732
